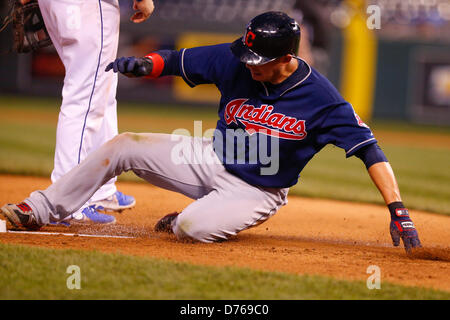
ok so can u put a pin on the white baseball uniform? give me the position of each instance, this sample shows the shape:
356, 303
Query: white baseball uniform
85, 34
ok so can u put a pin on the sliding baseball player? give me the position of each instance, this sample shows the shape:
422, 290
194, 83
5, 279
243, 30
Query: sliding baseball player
274, 115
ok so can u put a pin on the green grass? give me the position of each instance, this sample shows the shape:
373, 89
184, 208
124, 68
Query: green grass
37, 273
422, 175
27, 137
410, 127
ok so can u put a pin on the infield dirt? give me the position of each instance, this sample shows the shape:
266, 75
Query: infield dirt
308, 236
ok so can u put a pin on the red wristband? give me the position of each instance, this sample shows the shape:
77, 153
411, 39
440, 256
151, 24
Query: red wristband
158, 65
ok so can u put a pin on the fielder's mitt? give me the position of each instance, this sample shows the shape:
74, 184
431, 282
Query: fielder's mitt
28, 27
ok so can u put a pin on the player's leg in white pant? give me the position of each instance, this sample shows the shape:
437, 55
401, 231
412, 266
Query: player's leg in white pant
231, 207
161, 159
225, 204
85, 35
107, 87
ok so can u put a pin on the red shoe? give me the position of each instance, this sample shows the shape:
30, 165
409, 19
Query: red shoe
20, 216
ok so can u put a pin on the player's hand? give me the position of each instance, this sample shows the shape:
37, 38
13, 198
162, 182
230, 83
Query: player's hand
24, 1
131, 66
143, 8
402, 227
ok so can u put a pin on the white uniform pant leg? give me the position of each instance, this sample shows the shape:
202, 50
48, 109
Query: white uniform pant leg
224, 206
107, 82
233, 206
85, 35
157, 158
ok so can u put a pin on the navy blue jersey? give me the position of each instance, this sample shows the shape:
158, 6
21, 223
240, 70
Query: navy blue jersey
303, 114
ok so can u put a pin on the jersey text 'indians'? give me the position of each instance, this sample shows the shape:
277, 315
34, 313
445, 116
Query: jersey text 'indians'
262, 120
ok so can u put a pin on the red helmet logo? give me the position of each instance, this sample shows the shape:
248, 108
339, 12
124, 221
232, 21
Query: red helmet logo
249, 38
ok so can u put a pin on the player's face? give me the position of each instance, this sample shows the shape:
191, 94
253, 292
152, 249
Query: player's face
263, 72
272, 71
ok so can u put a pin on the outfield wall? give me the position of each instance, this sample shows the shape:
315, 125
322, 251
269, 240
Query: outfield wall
383, 78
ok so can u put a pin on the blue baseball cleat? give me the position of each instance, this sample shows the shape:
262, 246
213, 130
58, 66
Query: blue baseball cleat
60, 223
117, 202
91, 215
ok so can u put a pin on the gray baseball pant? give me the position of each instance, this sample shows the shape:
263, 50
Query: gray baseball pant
224, 206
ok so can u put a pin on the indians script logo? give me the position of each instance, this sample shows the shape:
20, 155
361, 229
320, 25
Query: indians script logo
263, 120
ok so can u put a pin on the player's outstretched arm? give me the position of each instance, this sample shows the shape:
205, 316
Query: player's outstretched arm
154, 65
199, 65
131, 66
143, 8
401, 226
381, 173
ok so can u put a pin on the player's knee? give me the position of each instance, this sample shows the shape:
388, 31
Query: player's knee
123, 138
183, 236
131, 138
186, 229
182, 228
125, 141
120, 146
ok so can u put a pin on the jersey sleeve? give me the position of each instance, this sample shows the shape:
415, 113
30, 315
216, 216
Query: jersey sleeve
201, 65
343, 128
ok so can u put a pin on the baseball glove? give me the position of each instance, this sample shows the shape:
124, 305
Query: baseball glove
29, 32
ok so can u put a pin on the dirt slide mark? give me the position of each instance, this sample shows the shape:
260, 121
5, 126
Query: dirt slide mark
308, 236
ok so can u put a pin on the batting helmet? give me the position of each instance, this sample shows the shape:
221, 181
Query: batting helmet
268, 36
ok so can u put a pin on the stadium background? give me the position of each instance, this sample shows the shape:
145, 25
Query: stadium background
396, 77
400, 71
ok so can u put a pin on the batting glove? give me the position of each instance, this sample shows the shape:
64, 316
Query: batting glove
131, 66
402, 227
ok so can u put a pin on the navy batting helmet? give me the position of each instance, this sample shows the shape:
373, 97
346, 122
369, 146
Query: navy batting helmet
268, 36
